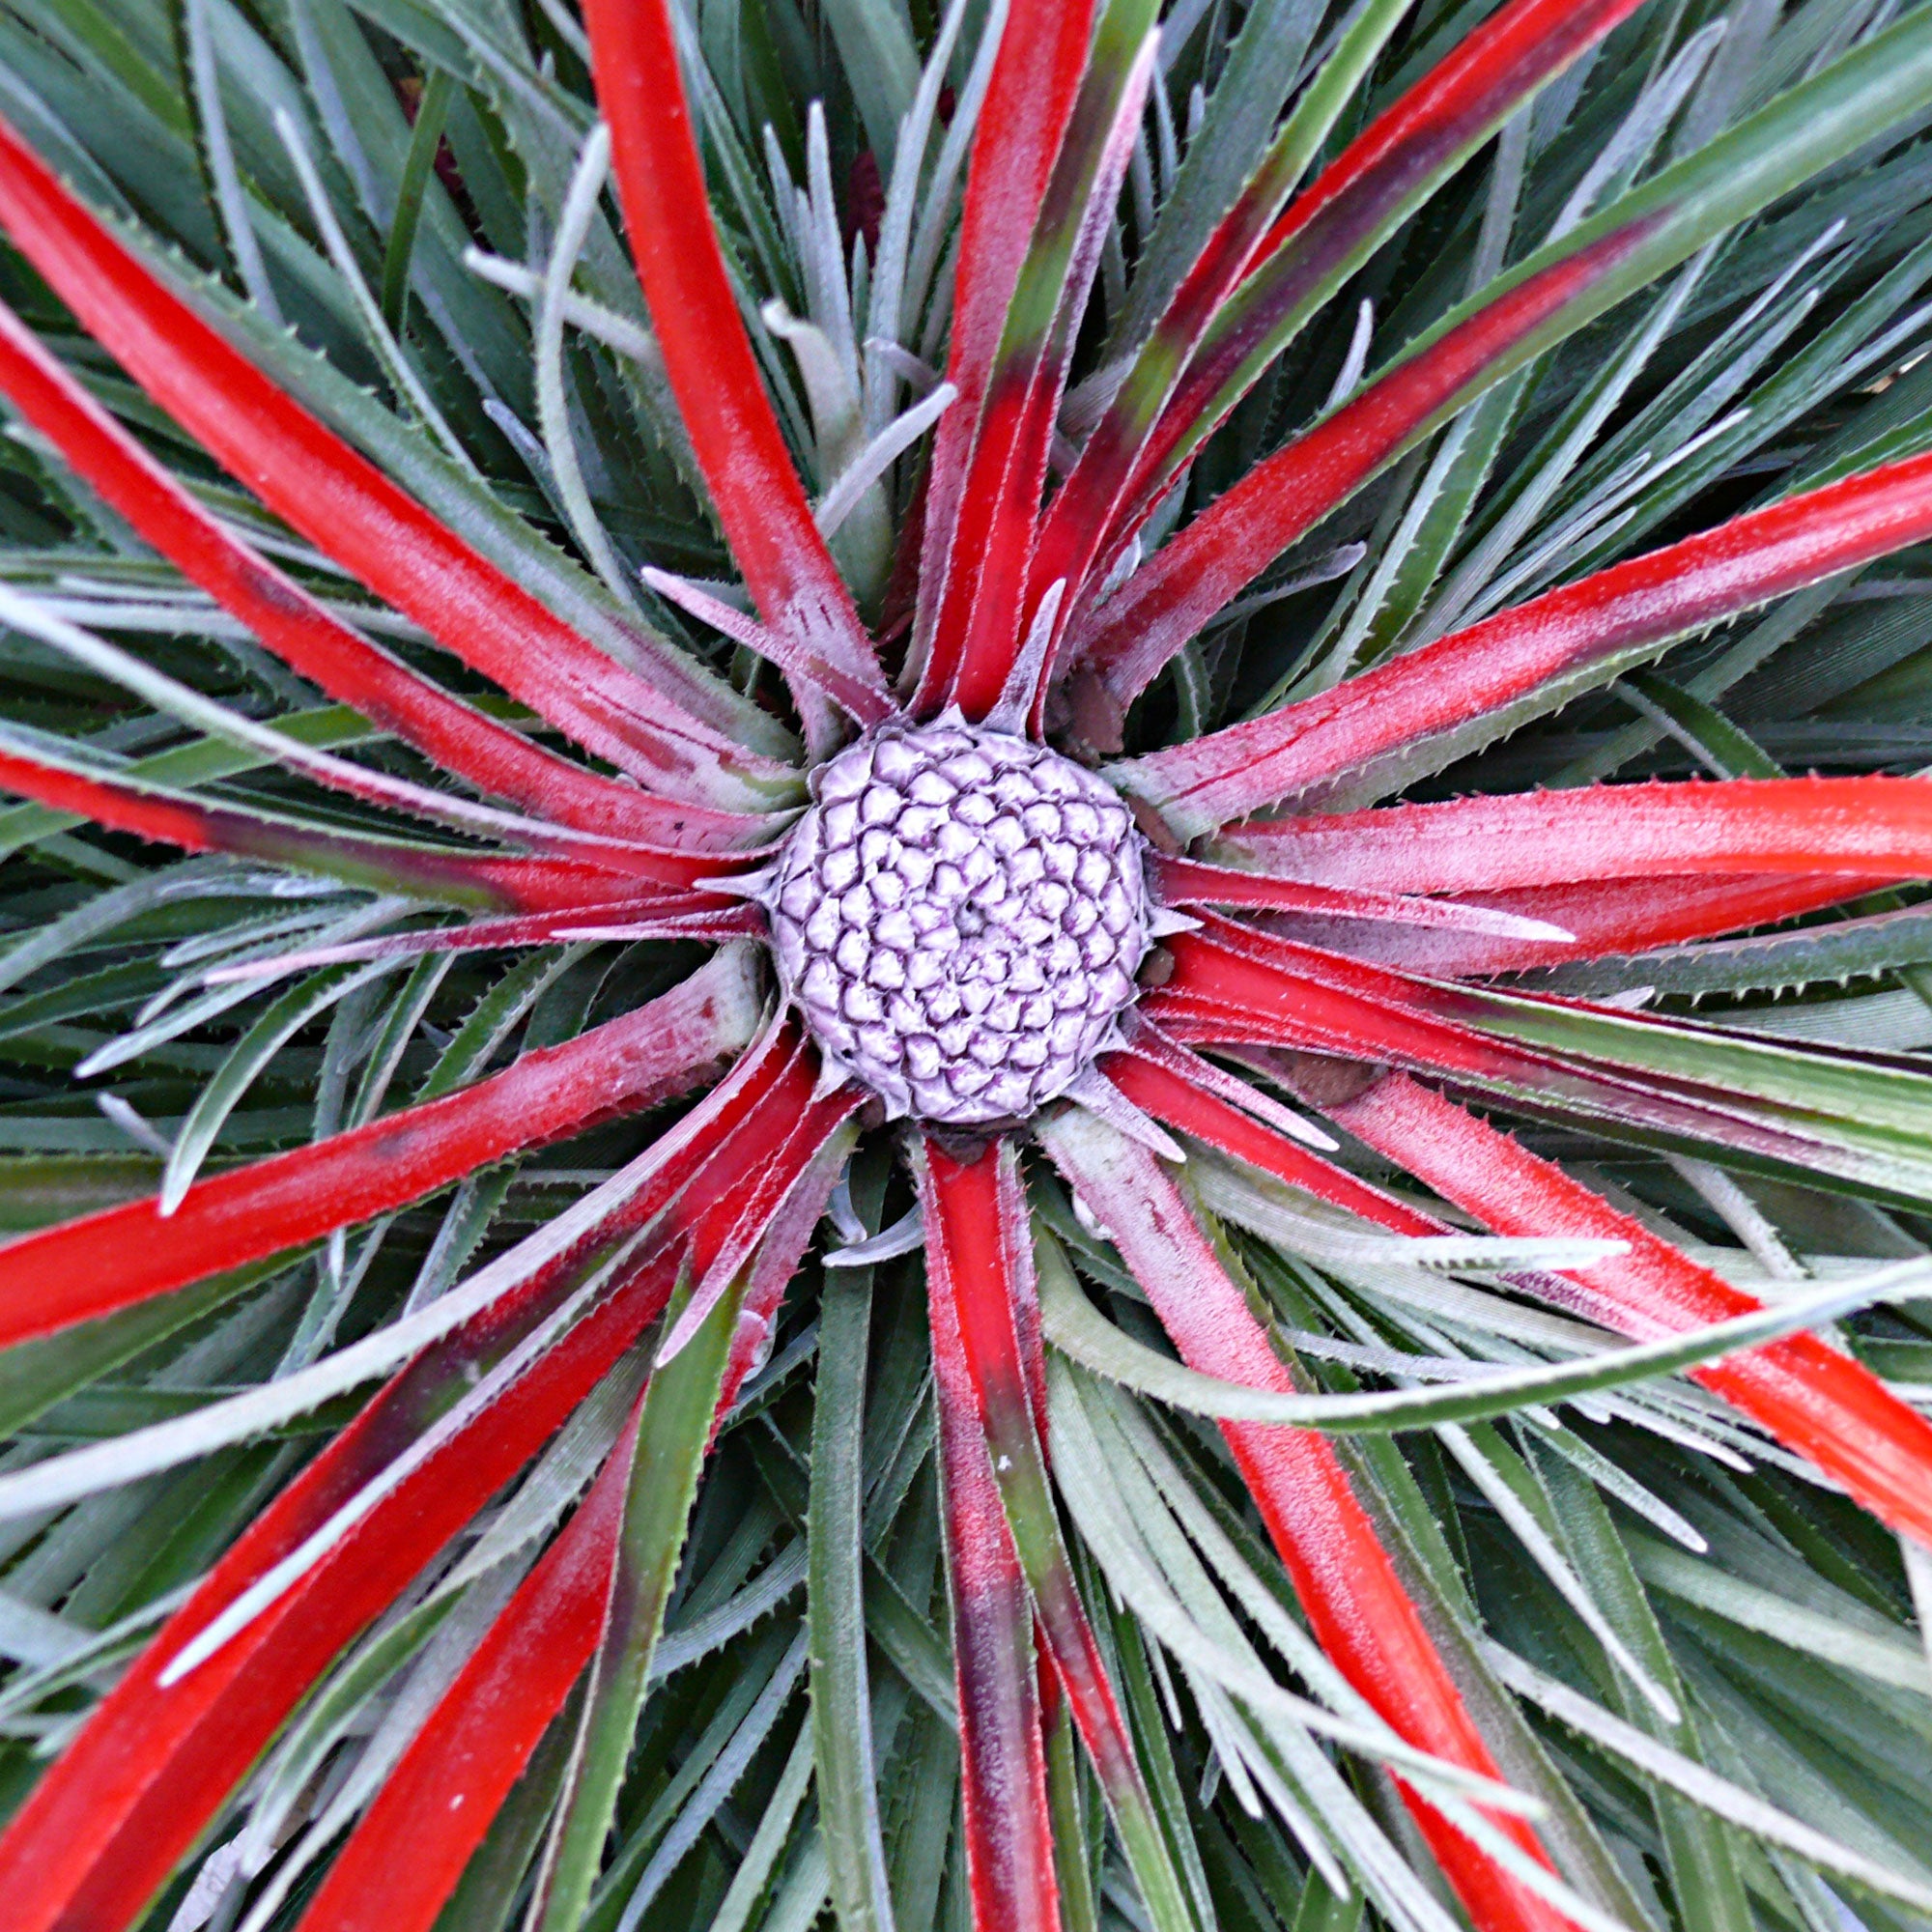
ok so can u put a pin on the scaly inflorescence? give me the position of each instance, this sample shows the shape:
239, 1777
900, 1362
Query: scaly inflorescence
959, 916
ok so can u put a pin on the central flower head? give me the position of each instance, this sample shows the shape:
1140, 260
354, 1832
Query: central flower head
958, 917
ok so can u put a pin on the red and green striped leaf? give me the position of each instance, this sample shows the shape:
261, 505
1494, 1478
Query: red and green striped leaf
86, 1268
987, 609
341, 502
1544, 298
1016, 141
133, 1791
1009, 1826
1827, 1406
986, 1351
406, 1855
1415, 714
1347, 1585
700, 916
707, 355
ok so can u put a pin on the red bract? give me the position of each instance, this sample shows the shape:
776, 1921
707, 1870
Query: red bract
1337, 930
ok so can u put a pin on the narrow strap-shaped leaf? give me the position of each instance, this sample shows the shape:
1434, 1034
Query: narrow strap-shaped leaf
1009, 1826
320, 645
86, 1268
1211, 341
661, 1482
406, 1855
1820, 1402
1343, 1577
845, 1774
447, 875
1417, 712
1075, 1327
1238, 986
1178, 1102
106, 1826
1607, 916
1877, 1094
707, 357
861, 695
1233, 137
1873, 942
1143, 1040
985, 1323
985, 610
679, 916
1191, 882
246, 1061
1874, 828
1015, 142
1836, 1112
1356, 203
1543, 299
338, 501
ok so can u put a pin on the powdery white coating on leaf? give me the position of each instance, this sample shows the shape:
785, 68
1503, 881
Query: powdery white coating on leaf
959, 917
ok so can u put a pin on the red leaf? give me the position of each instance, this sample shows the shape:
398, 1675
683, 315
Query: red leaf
1609, 916
1189, 882
988, 1354
154, 1762
301, 630
1347, 1585
1820, 1402
1136, 630
986, 610
1172, 1099
1433, 691
1022, 120
1008, 1829
482, 881
1874, 828
89, 1267
706, 354
1174, 394
341, 502
409, 1852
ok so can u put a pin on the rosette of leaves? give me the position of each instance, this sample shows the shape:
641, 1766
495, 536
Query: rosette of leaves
1422, 1423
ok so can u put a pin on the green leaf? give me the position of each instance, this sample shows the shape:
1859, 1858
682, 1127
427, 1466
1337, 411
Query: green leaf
842, 1704
1073, 1325
674, 1432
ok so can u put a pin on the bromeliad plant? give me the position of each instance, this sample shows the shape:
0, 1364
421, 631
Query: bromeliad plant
369, 1566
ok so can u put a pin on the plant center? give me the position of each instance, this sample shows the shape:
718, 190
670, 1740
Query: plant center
958, 918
